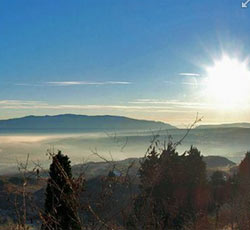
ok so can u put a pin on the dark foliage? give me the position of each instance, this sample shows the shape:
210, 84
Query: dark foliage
60, 202
174, 190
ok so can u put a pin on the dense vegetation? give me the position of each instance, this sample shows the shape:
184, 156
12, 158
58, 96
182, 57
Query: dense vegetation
169, 191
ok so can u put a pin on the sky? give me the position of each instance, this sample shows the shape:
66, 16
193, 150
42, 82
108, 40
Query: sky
143, 59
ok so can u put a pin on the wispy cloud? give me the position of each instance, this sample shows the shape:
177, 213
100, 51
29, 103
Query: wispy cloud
72, 83
193, 83
137, 105
173, 103
146, 105
190, 74
30, 105
20, 102
27, 84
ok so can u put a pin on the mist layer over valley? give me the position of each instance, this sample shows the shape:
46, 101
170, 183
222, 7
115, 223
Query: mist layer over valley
81, 145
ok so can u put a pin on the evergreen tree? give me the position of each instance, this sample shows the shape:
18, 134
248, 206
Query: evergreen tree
195, 181
244, 169
60, 202
148, 169
244, 192
174, 189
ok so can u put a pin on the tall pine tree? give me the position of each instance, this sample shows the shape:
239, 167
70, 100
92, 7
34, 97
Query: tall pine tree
60, 202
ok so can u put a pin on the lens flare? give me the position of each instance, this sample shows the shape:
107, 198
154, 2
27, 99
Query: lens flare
228, 83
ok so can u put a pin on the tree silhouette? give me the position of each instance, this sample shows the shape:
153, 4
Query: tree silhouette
244, 193
60, 202
218, 186
174, 189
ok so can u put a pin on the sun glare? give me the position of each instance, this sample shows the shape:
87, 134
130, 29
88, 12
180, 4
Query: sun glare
228, 83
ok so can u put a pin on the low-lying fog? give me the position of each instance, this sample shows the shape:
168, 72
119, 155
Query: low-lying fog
231, 143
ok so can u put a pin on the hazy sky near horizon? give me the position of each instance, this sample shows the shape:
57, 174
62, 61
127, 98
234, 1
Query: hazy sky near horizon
143, 59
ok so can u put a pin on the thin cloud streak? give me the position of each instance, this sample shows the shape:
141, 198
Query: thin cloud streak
190, 74
27, 84
174, 103
145, 105
29, 105
193, 83
20, 102
72, 83
184, 83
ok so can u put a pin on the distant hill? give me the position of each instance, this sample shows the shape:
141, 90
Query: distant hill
229, 125
71, 121
95, 169
217, 162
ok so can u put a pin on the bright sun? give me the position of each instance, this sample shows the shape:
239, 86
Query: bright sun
228, 82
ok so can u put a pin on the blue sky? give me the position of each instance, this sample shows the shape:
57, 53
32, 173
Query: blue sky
120, 57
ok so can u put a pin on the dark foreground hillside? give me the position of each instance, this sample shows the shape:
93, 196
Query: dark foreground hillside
109, 187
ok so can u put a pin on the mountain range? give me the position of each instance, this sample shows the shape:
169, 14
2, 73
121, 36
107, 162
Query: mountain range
95, 123
72, 121
227, 125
